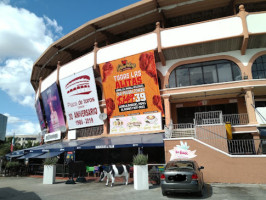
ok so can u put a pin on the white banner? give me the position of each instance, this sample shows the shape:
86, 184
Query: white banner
80, 99
72, 135
136, 123
52, 136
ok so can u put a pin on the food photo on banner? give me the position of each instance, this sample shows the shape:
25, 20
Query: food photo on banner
53, 108
131, 88
80, 99
40, 114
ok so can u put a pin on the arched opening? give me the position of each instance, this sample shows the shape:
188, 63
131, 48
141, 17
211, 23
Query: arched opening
259, 68
209, 72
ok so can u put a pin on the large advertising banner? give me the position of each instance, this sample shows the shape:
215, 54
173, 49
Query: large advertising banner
131, 86
81, 100
40, 114
53, 109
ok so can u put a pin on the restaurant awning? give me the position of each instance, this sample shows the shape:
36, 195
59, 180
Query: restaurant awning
58, 146
49, 154
30, 155
137, 140
13, 155
145, 140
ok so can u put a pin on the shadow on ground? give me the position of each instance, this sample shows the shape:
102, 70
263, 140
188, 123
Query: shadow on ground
206, 194
12, 194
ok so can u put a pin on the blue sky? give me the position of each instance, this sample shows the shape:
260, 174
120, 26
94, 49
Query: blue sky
27, 28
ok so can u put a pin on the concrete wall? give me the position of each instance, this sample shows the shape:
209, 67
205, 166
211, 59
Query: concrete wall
213, 135
221, 167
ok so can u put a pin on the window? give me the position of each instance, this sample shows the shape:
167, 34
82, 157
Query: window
204, 73
259, 68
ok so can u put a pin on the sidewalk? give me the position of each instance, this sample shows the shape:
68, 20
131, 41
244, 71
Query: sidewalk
29, 188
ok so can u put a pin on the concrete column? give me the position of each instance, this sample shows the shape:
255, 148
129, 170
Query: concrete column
167, 109
249, 97
256, 139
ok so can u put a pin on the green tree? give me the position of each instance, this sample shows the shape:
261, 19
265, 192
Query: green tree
4, 148
28, 144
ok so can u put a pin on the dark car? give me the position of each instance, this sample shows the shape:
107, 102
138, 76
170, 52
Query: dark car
182, 176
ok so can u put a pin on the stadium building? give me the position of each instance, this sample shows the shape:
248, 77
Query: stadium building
173, 79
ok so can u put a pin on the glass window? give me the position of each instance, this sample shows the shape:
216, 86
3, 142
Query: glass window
236, 73
210, 74
182, 77
196, 76
204, 73
259, 68
264, 58
224, 72
172, 80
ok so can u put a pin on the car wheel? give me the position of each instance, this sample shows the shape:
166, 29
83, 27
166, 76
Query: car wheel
163, 193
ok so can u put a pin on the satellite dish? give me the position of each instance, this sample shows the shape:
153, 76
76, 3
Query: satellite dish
103, 116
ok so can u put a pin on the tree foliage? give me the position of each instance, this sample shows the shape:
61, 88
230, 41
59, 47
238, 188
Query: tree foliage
5, 147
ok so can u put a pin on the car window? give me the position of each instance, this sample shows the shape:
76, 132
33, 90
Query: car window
180, 165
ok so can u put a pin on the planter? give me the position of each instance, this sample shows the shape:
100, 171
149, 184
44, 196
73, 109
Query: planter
141, 177
49, 174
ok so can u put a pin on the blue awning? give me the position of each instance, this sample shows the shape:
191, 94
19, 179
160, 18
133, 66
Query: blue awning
49, 154
262, 131
15, 154
30, 155
145, 140
57, 147
137, 140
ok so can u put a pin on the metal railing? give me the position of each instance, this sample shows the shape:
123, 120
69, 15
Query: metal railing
183, 130
236, 119
209, 127
211, 117
241, 147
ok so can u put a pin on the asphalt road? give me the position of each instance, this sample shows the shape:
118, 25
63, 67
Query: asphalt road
26, 188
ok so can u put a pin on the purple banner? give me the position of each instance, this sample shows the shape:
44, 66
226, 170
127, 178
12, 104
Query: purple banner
40, 114
53, 109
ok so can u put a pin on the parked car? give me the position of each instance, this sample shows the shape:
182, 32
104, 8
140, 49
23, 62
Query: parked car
182, 176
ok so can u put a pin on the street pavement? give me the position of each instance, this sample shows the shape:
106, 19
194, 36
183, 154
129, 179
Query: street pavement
28, 188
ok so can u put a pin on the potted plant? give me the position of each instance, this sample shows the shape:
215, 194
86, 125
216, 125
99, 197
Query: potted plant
49, 170
141, 176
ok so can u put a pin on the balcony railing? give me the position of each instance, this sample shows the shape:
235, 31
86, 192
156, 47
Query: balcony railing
240, 147
183, 130
236, 119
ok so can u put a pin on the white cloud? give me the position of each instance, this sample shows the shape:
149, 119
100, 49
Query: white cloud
13, 120
23, 37
21, 126
24, 34
15, 80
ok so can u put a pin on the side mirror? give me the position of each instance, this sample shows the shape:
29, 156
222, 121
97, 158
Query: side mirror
201, 167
